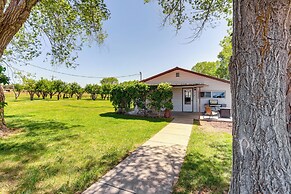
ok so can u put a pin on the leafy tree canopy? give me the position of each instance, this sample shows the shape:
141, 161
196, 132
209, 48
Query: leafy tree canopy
66, 24
29, 84
208, 68
219, 68
197, 13
3, 78
109, 80
224, 58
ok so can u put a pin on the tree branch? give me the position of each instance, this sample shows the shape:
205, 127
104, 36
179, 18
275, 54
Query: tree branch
13, 18
200, 28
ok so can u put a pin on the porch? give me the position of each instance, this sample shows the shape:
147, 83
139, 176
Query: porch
199, 116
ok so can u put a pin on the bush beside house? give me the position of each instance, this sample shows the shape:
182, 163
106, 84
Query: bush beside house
147, 100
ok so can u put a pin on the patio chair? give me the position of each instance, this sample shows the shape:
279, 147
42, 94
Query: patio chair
209, 112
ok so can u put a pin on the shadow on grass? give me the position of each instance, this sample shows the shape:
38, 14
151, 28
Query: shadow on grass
131, 117
88, 107
38, 128
36, 136
92, 170
22, 150
206, 174
19, 116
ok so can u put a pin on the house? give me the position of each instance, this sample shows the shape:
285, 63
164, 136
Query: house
192, 91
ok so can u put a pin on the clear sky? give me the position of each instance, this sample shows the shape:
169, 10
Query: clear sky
137, 43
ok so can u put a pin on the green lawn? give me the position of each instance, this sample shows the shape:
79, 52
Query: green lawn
207, 166
66, 145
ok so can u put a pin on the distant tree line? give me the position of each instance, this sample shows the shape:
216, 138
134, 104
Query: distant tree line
151, 100
45, 88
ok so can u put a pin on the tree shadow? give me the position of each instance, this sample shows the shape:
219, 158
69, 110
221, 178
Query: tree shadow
92, 169
37, 128
29, 146
131, 117
88, 107
204, 174
19, 116
149, 169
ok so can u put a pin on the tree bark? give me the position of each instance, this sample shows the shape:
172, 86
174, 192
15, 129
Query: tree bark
2, 100
259, 83
31, 94
12, 17
11, 20
93, 96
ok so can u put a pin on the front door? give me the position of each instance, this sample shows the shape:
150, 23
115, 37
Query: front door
188, 100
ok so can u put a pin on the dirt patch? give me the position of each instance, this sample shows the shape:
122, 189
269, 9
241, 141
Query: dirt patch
216, 126
8, 132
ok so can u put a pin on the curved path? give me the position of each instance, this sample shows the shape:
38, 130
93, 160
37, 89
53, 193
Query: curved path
154, 167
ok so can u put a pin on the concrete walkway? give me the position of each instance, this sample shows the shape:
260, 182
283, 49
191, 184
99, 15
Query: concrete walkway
152, 168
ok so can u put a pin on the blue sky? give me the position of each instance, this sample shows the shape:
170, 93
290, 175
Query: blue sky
137, 43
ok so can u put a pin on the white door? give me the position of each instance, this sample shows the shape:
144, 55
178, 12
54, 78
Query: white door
188, 100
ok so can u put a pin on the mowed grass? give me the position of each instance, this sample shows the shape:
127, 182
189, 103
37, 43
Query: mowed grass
66, 145
207, 165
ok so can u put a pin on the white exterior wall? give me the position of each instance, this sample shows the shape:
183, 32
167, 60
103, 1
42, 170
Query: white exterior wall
177, 99
212, 85
216, 86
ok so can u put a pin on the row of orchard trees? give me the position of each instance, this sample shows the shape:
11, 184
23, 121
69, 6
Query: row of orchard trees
131, 94
48, 88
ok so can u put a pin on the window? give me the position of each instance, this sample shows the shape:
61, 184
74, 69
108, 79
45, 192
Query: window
218, 94
187, 95
205, 94
177, 74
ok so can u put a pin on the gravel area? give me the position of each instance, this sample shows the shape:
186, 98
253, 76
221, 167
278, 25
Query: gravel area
216, 126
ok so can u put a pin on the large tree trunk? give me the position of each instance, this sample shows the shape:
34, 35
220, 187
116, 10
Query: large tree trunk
261, 144
12, 17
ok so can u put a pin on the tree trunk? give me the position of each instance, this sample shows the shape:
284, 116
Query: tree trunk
16, 94
93, 96
261, 144
2, 101
31, 94
12, 17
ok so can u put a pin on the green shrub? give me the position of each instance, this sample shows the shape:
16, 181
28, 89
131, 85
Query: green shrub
135, 93
128, 93
161, 97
